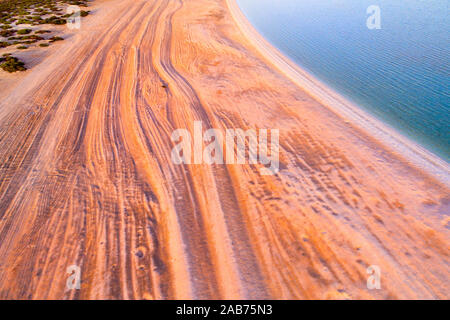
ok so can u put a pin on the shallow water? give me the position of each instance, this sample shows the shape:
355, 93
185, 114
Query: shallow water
399, 73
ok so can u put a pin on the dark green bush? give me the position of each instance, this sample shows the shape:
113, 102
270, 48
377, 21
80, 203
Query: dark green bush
53, 20
7, 33
24, 21
53, 39
11, 64
24, 31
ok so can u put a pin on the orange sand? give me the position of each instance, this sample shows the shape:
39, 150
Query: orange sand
86, 177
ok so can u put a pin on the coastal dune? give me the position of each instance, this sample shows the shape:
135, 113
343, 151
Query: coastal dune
87, 180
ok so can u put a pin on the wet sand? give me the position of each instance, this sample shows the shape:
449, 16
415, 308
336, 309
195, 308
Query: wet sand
86, 176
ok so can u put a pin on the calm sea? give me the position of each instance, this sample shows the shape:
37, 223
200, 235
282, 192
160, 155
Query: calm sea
400, 73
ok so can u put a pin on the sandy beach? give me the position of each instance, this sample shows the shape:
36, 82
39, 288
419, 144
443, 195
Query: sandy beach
411, 151
86, 176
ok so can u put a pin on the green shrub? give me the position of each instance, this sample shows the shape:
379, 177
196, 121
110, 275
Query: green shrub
24, 31
53, 39
11, 64
7, 33
32, 37
24, 21
53, 20
22, 47
44, 44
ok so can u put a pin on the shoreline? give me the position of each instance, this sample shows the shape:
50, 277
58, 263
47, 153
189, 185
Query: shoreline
389, 138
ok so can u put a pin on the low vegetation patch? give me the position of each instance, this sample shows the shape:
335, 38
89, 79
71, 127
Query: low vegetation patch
7, 33
15, 15
53, 20
32, 11
53, 39
24, 31
11, 64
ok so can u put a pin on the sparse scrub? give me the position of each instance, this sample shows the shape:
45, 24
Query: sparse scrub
53, 39
24, 21
11, 64
32, 37
7, 33
14, 13
24, 31
31, 11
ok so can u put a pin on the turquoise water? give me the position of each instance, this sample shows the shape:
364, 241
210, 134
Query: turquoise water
400, 73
